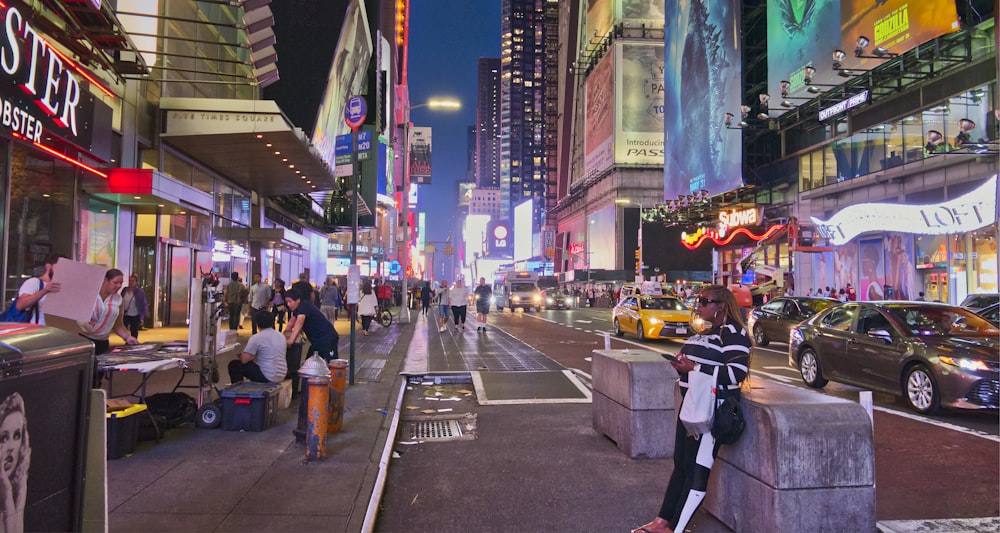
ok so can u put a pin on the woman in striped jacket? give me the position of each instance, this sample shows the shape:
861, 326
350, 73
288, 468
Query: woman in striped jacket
721, 342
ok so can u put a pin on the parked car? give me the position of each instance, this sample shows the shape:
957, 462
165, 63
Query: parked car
975, 302
651, 317
774, 320
930, 354
557, 299
991, 314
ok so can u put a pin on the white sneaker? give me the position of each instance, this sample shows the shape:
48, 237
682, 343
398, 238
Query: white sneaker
441, 329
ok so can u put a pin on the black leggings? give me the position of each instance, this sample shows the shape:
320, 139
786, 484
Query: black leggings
458, 311
689, 480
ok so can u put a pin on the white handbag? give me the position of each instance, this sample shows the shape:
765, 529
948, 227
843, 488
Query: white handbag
698, 407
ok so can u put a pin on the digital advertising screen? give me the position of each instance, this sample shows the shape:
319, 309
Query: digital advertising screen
522, 230
702, 77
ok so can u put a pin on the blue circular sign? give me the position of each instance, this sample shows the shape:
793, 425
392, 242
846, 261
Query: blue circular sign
395, 267
356, 111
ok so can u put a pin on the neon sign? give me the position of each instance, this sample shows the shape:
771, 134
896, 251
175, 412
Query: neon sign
719, 241
969, 212
745, 217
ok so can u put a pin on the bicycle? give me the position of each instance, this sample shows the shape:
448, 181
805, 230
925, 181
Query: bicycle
383, 316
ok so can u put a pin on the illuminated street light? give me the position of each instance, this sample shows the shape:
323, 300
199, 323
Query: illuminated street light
434, 103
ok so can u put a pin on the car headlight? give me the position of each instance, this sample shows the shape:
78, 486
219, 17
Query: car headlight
964, 363
538, 298
549, 301
654, 321
516, 298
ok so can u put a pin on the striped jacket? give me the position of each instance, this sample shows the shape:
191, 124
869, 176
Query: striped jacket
728, 349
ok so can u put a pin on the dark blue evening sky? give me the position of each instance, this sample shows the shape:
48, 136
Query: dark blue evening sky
447, 38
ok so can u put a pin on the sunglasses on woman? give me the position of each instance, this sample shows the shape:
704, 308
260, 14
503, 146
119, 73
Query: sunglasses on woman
705, 301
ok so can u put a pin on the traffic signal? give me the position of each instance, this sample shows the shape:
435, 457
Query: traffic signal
638, 267
638, 253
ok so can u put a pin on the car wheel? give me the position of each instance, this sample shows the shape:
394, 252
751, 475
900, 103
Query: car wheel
640, 331
618, 329
920, 390
759, 337
810, 370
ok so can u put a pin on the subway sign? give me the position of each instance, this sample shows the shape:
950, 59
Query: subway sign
43, 92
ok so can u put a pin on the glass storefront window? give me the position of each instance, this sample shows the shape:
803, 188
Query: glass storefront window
829, 166
42, 213
913, 139
98, 228
893, 145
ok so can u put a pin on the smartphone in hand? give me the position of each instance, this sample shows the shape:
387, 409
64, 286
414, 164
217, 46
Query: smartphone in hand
670, 357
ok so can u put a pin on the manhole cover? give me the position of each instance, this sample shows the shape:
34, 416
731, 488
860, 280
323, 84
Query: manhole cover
437, 429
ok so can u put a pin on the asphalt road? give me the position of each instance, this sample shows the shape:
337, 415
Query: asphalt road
947, 465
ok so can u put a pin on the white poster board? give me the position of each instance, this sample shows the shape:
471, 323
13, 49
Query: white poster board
80, 285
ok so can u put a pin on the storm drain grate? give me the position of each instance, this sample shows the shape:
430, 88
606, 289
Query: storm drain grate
436, 430
428, 429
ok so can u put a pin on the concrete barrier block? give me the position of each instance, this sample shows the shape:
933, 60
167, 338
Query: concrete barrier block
804, 463
645, 434
748, 505
636, 379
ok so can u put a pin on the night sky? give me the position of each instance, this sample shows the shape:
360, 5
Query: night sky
447, 38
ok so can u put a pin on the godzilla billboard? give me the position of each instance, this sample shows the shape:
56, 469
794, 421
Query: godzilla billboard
701, 82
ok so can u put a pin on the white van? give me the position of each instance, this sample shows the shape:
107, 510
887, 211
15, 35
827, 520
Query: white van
519, 290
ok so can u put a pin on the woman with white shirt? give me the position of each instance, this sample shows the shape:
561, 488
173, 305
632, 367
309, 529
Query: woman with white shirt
459, 299
367, 306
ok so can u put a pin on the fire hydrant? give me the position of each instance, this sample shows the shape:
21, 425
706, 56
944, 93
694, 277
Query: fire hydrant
314, 406
338, 380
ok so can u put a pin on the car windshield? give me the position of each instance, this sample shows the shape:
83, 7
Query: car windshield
665, 304
930, 321
522, 287
811, 307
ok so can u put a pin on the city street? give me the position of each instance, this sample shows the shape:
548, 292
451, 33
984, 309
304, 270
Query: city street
908, 446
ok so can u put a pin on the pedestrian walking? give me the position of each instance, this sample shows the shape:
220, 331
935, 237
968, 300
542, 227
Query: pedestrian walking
260, 299
134, 305
458, 297
444, 305
330, 299
720, 344
278, 306
482, 294
235, 296
425, 298
367, 307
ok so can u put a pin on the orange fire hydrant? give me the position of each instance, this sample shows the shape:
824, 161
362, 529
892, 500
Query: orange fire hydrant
316, 427
338, 380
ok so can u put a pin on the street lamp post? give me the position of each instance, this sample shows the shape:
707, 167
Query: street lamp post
404, 313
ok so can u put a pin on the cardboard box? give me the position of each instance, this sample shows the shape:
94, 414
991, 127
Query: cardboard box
117, 404
285, 394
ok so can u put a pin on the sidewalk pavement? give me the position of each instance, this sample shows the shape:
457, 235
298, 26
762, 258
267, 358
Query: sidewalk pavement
198, 480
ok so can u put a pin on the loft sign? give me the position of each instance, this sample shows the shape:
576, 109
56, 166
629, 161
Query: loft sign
37, 70
966, 213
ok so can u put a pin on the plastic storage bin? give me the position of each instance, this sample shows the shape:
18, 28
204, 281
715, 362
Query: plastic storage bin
249, 406
123, 430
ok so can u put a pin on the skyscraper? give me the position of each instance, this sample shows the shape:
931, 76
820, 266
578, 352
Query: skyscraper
488, 124
522, 96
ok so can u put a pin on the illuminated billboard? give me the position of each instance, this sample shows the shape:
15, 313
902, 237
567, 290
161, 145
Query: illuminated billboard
639, 104
346, 79
702, 80
522, 230
420, 155
599, 14
465, 189
805, 33
599, 118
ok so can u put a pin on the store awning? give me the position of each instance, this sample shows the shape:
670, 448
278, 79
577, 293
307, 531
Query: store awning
149, 191
248, 141
274, 238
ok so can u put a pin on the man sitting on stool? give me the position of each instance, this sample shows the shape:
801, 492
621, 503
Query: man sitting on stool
263, 359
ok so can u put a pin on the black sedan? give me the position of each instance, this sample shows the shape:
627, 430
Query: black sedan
991, 313
929, 354
774, 320
557, 299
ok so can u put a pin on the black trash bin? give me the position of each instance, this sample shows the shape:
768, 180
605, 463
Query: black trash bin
45, 380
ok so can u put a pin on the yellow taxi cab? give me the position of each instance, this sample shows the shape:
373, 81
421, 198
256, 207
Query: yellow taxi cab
651, 317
